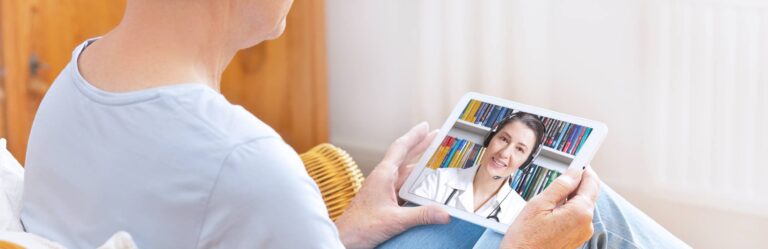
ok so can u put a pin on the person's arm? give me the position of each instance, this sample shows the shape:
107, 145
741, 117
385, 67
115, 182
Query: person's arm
544, 223
374, 215
264, 198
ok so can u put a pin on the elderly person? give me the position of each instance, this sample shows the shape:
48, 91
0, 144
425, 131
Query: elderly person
134, 135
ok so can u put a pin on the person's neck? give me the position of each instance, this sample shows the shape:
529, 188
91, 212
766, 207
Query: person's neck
151, 49
484, 184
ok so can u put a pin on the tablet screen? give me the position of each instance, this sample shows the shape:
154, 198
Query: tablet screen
493, 159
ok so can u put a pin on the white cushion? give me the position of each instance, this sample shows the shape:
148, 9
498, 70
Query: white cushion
11, 189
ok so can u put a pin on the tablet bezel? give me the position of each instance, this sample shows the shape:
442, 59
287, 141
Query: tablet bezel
596, 137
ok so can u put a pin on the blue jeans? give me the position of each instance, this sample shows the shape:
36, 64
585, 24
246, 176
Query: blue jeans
617, 224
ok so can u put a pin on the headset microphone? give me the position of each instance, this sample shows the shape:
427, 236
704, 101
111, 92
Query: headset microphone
496, 177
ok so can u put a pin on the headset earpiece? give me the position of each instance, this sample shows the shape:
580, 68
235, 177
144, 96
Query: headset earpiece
526, 165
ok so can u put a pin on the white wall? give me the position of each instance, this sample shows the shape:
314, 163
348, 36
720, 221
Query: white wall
371, 66
395, 63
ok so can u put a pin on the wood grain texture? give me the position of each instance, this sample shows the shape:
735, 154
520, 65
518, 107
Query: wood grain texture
15, 34
283, 82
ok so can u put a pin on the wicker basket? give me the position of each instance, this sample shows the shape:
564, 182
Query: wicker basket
336, 174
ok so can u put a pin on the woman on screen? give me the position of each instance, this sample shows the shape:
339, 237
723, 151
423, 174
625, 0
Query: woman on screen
484, 189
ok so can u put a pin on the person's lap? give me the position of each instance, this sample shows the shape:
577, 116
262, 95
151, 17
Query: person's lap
617, 223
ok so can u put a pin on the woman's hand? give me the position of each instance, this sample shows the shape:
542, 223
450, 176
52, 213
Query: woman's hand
374, 215
544, 223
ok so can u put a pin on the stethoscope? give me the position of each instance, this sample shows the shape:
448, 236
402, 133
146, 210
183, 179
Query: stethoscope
494, 215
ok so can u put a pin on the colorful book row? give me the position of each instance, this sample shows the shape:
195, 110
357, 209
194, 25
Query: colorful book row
484, 114
534, 180
564, 136
456, 153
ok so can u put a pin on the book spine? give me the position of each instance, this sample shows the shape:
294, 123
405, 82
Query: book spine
475, 151
471, 159
566, 136
436, 155
471, 114
486, 113
571, 136
523, 178
466, 110
544, 182
516, 179
555, 133
552, 178
479, 155
536, 182
463, 154
499, 116
488, 121
528, 182
479, 112
456, 147
577, 141
560, 135
583, 139
439, 154
466, 155
456, 153
548, 130
448, 150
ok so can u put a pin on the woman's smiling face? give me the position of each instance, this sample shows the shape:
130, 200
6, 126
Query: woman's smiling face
508, 149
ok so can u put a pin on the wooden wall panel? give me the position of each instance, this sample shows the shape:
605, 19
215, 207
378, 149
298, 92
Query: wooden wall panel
283, 82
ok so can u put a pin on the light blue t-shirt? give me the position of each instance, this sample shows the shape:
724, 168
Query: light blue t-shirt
175, 166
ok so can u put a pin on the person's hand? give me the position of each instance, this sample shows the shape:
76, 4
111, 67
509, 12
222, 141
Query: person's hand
544, 223
374, 215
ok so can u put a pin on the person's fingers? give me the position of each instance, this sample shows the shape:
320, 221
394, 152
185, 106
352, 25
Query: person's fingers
421, 147
423, 215
399, 149
403, 174
560, 188
590, 185
583, 200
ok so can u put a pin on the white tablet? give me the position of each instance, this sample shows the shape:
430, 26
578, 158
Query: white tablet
493, 155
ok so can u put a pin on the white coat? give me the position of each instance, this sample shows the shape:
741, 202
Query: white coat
439, 184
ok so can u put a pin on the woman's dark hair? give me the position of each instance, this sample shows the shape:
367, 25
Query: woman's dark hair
529, 120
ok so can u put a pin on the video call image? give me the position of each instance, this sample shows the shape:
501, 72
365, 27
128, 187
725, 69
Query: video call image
494, 159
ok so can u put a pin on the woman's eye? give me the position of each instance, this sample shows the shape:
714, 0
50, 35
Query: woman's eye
505, 139
520, 149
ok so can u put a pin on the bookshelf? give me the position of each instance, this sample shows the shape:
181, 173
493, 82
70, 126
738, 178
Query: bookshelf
462, 147
548, 158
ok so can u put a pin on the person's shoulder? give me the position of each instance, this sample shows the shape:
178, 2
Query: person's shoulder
265, 159
265, 150
264, 172
228, 120
263, 195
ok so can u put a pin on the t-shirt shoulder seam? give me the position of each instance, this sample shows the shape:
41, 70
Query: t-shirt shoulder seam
190, 113
215, 128
216, 181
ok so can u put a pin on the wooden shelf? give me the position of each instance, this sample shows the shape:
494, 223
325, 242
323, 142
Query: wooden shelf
472, 127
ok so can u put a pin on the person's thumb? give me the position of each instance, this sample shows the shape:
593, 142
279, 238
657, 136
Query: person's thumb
423, 215
563, 186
